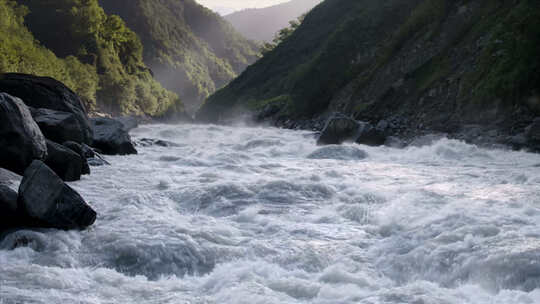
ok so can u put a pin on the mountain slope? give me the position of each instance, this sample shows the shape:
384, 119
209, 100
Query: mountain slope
92, 52
436, 64
191, 50
261, 24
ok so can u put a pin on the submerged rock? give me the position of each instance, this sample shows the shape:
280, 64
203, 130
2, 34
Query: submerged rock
58, 126
338, 153
338, 129
48, 201
67, 164
48, 93
147, 142
111, 138
21, 140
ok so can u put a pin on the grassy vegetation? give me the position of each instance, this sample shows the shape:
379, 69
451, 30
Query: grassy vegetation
93, 53
21, 52
509, 67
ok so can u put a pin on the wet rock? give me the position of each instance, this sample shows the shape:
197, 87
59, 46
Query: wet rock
21, 140
371, 136
49, 202
338, 129
516, 142
98, 162
425, 140
77, 148
67, 164
128, 122
8, 178
111, 138
58, 126
532, 132
8, 207
88, 152
147, 142
48, 93
394, 142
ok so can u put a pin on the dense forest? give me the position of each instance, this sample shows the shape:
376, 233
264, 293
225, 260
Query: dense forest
124, 57
437, 64
191, 50
95, 54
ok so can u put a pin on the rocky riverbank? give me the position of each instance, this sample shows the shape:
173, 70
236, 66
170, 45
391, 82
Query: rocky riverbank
47, 139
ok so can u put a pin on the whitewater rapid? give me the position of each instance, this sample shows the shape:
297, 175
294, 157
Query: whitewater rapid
262, 215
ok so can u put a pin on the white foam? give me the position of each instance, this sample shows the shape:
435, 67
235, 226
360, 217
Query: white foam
241, 215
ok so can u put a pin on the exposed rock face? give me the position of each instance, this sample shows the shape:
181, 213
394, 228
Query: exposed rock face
49, 202
371, 136
67, 164
532, 134
111, 138
21, 140
338, 129
59, 126
45, 92
77, 148
8, 206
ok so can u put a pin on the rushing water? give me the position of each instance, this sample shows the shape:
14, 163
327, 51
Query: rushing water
259, 215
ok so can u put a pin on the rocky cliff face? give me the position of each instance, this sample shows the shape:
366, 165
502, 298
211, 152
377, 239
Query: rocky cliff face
458, 67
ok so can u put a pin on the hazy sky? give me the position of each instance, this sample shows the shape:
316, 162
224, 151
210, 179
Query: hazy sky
228, 6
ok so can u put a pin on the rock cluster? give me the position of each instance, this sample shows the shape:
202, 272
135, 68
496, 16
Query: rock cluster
47, 138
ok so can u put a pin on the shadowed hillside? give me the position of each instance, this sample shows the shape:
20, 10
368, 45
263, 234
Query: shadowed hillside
437, 65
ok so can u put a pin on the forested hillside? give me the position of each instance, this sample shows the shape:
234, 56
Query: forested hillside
262, 24
76, 42
190, 49
436, 64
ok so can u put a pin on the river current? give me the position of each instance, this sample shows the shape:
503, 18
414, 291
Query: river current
262, 215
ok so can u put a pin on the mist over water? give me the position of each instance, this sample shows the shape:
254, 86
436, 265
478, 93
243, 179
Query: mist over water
262, 215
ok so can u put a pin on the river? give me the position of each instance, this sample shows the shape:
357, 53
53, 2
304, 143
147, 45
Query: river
263, 215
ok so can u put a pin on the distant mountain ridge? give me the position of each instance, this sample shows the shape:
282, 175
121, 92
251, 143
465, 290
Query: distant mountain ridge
261, 24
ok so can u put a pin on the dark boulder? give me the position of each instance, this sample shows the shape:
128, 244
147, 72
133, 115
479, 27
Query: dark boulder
48, 93
88, 152
21, 141
49, 202
58, 126
338, 129
128, 122
77, 148
8, 207
532, 134
111, 138
533, 131
371, 136
67, 164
